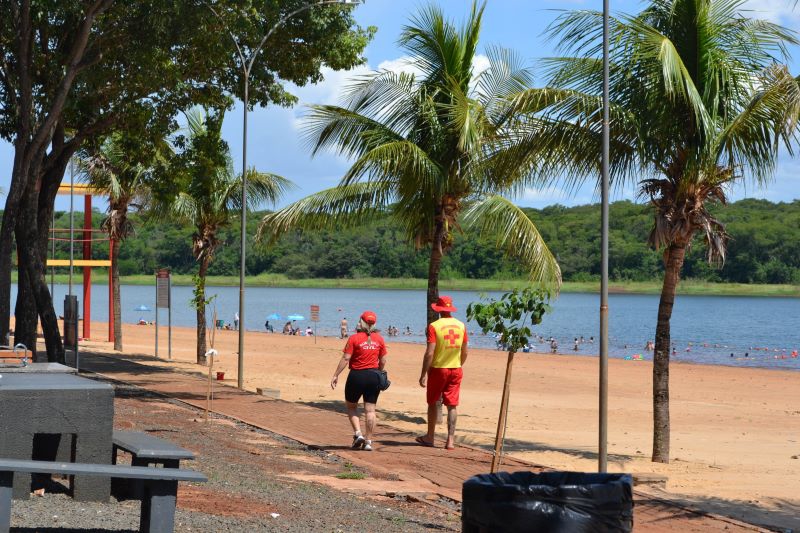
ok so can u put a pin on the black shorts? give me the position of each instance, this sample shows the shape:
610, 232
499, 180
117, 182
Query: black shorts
362, 383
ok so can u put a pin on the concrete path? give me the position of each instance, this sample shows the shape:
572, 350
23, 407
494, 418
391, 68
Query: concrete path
418, 470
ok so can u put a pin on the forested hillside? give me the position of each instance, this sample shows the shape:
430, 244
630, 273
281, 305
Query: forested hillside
764, 248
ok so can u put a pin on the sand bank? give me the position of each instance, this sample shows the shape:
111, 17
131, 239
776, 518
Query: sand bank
735, 431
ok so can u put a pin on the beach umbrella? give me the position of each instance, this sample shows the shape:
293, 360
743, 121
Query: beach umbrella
142, 308
296, 317
274, 316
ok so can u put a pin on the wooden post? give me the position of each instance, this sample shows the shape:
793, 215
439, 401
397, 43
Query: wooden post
87, 270
501, 421
209, 392
111, 258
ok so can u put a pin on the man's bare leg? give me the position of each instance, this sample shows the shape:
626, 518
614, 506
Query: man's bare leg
432, 415
452, 418
352, 415
369, 410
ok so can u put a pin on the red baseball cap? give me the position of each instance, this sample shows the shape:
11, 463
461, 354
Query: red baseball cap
369, 317
443, 305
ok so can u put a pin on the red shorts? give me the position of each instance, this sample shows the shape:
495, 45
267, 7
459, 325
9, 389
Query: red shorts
444, 383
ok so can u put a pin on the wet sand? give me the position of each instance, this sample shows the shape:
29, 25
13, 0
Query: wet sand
735, 431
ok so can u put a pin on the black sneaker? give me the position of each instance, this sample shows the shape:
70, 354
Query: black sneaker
358, 442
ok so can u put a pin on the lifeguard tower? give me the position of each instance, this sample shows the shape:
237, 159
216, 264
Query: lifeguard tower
88, 235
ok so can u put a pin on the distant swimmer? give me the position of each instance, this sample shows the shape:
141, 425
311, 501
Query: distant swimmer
576, 344
649, 346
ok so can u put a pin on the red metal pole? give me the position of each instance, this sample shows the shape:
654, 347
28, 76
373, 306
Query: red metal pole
87, 271
111, 258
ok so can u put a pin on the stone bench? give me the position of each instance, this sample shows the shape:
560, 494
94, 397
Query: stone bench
157, 513
145, 450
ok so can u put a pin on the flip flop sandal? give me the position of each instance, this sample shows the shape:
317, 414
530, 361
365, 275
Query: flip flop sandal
422, 441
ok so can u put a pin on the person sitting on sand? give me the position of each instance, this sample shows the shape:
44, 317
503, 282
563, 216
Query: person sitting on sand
268, 327
287, 328
364, 353
309, 331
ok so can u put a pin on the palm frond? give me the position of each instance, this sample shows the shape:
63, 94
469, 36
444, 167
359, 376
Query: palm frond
496, 217
342, 206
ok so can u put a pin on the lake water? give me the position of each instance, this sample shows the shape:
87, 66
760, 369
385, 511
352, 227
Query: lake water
705, 329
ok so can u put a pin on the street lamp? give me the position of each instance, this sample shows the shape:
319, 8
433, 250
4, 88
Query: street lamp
602, 455
247, 67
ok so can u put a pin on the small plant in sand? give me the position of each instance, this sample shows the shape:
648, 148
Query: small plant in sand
510, 317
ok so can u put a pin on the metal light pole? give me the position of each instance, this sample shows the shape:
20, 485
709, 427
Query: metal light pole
602, 456
247, 67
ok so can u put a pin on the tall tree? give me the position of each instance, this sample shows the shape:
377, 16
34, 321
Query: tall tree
72, 71
426, 148
119, 170
210, 197
700, 99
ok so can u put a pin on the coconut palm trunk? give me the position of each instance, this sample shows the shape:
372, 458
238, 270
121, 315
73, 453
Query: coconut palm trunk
673, 262
200, 302
435, 266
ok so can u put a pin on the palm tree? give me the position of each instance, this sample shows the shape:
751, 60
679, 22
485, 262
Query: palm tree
426, 148
210, 197
699, 100
115, 169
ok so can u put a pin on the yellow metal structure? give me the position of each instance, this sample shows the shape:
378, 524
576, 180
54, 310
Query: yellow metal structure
79, 262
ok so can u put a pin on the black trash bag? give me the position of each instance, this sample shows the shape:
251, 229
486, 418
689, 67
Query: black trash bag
569, 502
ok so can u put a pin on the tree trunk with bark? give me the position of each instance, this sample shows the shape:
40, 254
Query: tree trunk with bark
673, 262
200, 302
25, 317
434, 266
19, 177
32, 265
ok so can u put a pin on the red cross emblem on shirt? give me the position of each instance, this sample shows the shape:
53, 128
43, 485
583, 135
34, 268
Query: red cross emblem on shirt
452, 336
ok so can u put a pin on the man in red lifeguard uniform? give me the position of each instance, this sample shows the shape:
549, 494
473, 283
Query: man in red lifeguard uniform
441, 368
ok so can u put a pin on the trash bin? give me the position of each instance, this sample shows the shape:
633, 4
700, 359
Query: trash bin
569, 502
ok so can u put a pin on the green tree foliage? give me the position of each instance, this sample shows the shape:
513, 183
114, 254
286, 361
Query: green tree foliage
764, 244
71, 71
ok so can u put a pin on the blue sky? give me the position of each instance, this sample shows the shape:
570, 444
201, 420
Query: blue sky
274, 144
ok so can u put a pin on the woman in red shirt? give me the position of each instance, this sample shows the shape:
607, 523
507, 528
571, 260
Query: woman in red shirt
364, 353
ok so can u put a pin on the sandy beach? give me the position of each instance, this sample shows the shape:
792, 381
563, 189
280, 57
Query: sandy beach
735, 431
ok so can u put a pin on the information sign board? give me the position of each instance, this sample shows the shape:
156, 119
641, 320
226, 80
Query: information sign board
162, 288
315, 313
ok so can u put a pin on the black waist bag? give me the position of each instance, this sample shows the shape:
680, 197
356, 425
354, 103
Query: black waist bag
383, 379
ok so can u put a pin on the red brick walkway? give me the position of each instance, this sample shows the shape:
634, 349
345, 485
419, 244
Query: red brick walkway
436, 470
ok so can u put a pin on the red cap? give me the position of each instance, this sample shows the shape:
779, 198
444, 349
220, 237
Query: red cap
369, 317
443, 305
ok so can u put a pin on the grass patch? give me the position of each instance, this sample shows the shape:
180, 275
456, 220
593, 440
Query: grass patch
351, 472
692, 287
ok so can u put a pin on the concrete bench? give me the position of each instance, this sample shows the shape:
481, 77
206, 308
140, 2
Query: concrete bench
160, 487
145, 449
